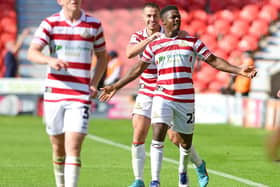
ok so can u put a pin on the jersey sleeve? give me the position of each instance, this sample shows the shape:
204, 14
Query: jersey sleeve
134, 39
43, 33
201, 50
99, 42
148, 55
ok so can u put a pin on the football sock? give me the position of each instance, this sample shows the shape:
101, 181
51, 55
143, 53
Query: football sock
72, 171
138, 159
194, 157
183, 161
58, 166
156, 158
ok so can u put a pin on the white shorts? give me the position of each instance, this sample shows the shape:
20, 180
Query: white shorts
66, 116
178, 116
143, 105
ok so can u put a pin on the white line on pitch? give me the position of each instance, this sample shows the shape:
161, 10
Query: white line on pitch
222, 174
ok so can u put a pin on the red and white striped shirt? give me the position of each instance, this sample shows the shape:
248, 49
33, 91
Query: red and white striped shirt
175, 59
74, 43
149, 77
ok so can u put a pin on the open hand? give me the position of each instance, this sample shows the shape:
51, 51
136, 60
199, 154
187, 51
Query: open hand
107, 93
248, 71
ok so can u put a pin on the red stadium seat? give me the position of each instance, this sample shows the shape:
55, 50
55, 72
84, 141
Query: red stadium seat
209, 40
221, 53
198, 26
215, 87
239, 28
225, 15
259, 28
222, 77
248, 43
249, 12
268, 13
228, 43
199, 15
222, 26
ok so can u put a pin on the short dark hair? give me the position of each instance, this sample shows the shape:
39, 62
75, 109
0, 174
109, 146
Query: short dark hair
152, 5
167, 8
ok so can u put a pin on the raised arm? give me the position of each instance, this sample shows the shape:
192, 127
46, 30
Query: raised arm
223, 65
109, 91
133, 50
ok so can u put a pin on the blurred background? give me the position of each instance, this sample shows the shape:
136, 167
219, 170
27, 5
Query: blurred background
241, 31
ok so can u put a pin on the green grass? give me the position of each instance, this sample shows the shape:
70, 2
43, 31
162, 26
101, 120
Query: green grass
25, 155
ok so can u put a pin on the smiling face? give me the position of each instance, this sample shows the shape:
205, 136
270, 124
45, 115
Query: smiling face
171, 20
70, 5
151, 18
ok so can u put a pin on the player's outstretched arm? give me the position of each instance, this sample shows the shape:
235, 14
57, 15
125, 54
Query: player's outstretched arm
109, 91
223, 65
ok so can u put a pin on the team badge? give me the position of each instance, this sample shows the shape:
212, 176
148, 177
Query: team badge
183, 43
86, 34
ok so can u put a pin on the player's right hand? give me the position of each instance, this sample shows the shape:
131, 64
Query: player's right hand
58, 64
107, 93
155, 36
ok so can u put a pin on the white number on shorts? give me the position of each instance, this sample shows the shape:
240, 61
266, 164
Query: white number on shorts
190, 117
86, 112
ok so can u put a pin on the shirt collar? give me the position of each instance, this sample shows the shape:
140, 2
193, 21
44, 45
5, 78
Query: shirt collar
82, 18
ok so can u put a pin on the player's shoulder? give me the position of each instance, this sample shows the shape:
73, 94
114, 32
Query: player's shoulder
139, 32
52, 18
92, 19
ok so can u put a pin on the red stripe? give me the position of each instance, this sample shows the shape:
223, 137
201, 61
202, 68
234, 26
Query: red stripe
189, 39
74, 164
179, 91
176, 100
175, 70
68, 91
99, 36
147, 54
150, 71
100, 45
95, 25
76, 37
149, 81
141, 37
46, 32
59, 163
76, 65
67, 99
200, 47
151, 88
68, 78
145, 93
172, 47
175, 81
138, 143
43, 40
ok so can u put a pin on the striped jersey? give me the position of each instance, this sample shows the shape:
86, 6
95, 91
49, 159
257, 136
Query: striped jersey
149, 77
175, 59
74, 43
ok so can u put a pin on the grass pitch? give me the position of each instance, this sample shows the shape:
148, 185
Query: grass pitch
235, 156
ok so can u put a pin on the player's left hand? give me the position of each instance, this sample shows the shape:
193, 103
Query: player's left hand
248, 71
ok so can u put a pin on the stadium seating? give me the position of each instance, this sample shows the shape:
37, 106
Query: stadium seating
227, 27
8, 27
